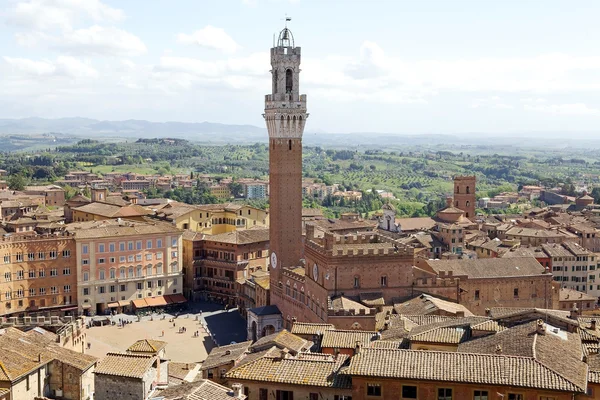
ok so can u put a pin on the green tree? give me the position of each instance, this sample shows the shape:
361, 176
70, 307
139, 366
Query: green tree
16, 182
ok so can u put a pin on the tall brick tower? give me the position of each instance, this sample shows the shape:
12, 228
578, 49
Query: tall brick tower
285, 115
464, 195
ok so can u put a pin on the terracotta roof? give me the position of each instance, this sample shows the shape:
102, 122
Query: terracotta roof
283, 340
113, 228
333, 225
426, 304
426, 319
147, 346
445, 366
487, 326
344, 303
113, 211
201, 390
567, 294
21, 355
305, 370
415, 224
245, 236
179, 371
387, 344
446, 335
307, 328
504, 313
489, 267
372, 299
347, 339
225, 354
126, 365
556, 349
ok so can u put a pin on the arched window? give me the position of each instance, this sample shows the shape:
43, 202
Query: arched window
274, 81
468, 190
289, 78
130, 272
457, 204
290, 144
122, 272
457, 189
468, 203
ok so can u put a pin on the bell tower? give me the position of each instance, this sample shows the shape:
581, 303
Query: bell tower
285, 116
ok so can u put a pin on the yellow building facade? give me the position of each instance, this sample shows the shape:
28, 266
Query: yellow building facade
217, 218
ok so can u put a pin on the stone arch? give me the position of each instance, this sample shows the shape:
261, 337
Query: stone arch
289, 81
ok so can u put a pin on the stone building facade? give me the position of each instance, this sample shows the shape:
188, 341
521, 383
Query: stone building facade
39, 274
121, 261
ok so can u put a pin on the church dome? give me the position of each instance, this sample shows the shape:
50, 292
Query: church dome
286, 39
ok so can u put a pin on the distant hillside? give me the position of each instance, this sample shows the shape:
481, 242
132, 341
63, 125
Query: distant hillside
90, 128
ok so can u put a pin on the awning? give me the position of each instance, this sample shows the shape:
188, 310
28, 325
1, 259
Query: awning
69, 308
156, 301
86, 306
113, 305
176, 298
124, 303
139, 303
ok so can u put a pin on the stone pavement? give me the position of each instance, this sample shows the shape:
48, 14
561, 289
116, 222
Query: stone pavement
224, 326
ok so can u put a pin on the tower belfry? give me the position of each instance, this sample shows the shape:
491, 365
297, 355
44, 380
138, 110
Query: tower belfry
285, 116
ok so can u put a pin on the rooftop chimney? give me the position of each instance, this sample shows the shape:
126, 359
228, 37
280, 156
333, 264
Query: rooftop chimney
541, 328
237, 390
574, 312
357, 347
498, 349
593, 325
488, 311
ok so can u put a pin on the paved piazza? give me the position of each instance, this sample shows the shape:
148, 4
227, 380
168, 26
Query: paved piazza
182, 347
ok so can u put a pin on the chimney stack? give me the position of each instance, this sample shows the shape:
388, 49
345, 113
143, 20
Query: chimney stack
593, 325
541, 328
357, 347
237, 390
574, 312
498, 349
488, 312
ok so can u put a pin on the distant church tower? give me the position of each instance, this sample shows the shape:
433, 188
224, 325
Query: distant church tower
285, 115
464, 195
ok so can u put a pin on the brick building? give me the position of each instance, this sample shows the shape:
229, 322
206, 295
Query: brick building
39, 274
479, 284
464, 195
215, 263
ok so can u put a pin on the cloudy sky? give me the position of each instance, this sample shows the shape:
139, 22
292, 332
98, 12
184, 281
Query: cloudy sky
386, 66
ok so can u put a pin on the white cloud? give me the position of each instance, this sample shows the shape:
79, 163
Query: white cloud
564, 109
210, 37
64, 66
46, 14
100, 40
95, 40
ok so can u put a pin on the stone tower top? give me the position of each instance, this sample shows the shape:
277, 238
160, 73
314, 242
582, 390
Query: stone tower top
285, 108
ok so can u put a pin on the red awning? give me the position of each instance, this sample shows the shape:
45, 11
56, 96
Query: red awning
124, 303
177, 298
